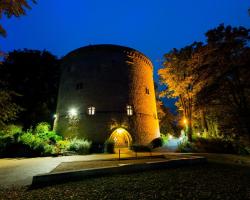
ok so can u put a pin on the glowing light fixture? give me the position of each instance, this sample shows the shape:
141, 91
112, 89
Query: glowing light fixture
185, 121
72, 112
54, 116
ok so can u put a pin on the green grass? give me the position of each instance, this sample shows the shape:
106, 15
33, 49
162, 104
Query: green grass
209, 181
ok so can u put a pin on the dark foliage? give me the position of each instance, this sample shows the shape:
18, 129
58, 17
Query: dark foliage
214, 145
109, 146
157, 142
34, 75
97, 148
140, 148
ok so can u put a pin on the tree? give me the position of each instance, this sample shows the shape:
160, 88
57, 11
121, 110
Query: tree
34, 75
178, 75
167, 120
211, 80
11, 8
8, 108
228, 76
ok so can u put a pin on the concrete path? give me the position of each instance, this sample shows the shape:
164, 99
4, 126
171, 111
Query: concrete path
19, 172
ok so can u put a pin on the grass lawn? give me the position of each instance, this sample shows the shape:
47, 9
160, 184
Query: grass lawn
209, 181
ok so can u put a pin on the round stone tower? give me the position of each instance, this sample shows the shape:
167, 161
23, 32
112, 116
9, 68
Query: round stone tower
107, 92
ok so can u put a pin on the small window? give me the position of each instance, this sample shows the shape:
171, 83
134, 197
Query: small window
91, 110
79, 86
147, 90
129, 110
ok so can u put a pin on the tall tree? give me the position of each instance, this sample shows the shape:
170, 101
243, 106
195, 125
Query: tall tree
211, 80
229, 74
177, 74
34, 75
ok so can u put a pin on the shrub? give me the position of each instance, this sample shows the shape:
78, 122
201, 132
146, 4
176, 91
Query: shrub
11, 130
27, 138
109, 146
213, 145
140, 148
38, 142
50, 137
62, 146
185, 147
48, 150
42, 127
97, 148
157, 142
81, 146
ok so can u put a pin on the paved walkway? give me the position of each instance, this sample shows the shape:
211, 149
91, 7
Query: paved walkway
19, 172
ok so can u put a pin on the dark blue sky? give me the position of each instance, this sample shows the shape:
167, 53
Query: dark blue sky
151, 26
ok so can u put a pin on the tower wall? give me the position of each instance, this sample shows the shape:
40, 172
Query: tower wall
109, 78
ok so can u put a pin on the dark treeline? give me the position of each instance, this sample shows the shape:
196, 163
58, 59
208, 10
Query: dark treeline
29, 87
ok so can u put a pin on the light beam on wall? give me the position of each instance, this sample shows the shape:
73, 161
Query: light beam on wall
72, 112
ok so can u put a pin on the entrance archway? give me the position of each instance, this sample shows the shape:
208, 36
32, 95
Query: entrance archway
121, 138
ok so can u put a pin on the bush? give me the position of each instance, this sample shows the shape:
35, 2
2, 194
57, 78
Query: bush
109, 146
213, 145
42, 127
50, 137
62, 146
97, 148
80, 146
140, 148
185, 147
157, 142
11, 130
38, 142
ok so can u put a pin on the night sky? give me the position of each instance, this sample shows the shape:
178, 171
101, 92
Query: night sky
152, 27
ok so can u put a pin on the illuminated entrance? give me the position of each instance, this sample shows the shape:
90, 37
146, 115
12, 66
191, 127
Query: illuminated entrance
121, 138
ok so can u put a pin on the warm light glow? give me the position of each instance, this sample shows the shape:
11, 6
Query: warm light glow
120, 130
121, 137
170, 137
72, 112
185, 121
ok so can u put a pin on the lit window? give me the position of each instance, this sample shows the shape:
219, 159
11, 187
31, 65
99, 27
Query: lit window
129, 110
91, 110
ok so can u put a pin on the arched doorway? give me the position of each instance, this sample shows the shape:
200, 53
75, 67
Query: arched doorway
121, 138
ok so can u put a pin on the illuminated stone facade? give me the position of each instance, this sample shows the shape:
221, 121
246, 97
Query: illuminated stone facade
103, 88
